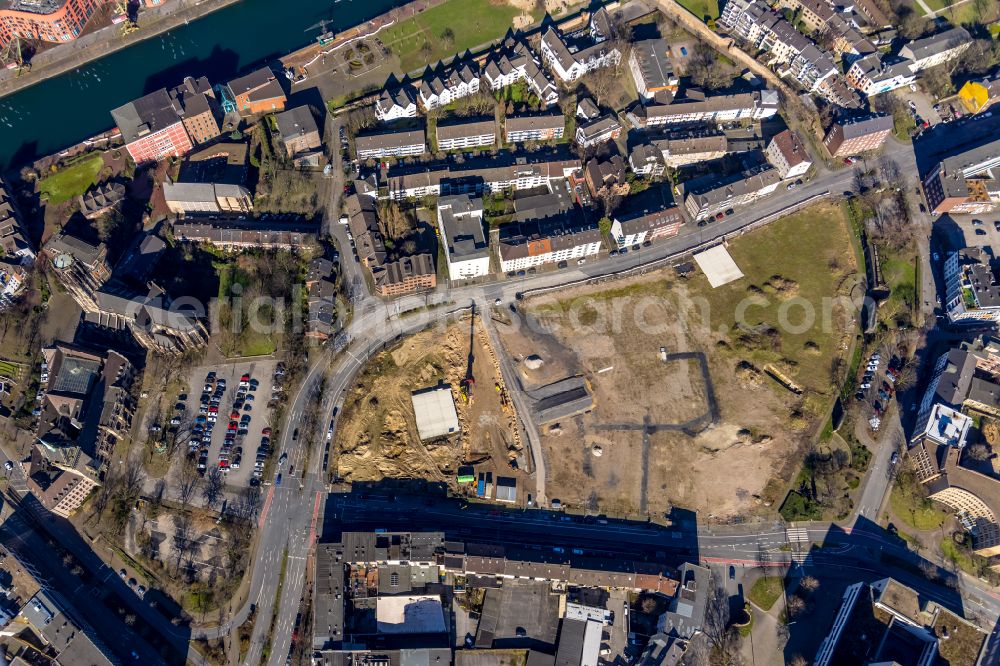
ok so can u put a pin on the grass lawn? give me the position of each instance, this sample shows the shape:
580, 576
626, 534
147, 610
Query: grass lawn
789, 268
257, 345
960, 557
703, 9
71, 181
900, 273
471, 22
766, 591
799, 507
925, 517
8, 369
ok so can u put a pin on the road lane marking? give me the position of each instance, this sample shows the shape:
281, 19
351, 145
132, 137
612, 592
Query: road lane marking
267, 505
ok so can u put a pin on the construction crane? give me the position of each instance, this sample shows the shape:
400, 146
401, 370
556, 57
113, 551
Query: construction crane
469, 382
125, 18
325, 34
14, 55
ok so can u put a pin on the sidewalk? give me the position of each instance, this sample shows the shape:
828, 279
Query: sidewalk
94, 45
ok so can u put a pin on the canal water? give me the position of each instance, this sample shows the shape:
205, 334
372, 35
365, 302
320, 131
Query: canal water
64, 110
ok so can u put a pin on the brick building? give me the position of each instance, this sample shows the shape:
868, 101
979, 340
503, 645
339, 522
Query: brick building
46, 20
152, 128
857, 135
257, 92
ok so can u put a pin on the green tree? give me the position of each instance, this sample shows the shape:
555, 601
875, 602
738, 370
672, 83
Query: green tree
604, 224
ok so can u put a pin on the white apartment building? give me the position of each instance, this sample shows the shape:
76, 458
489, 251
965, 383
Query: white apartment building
390, 144
754, 22
788, 155
535, 244
439, 91
546, 127
466, 135
514, 62
570, 64
395, 104
699, 108
475, 176
937, 49
460, 225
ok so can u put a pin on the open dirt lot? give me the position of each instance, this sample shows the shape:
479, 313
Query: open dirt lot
612, 334
377, 435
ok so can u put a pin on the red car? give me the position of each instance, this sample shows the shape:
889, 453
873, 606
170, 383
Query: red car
213, 410
223, 464
265, 431
234, 415
245, 378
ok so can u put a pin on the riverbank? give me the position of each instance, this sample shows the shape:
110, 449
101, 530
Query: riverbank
104, 41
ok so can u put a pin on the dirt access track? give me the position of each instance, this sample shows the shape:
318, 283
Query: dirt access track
654, 437
377, 434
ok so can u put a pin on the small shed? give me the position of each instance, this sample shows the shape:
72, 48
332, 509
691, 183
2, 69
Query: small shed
506, 489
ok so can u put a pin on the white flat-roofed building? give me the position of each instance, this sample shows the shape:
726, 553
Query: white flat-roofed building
947, 426
460, 223
390, 144
410, 614
434, 409
546, 127
457, 136
718, 266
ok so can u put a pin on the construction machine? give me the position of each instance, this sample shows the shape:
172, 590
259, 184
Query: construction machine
469, 382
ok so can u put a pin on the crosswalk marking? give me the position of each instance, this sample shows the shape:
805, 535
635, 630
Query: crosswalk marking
797, 534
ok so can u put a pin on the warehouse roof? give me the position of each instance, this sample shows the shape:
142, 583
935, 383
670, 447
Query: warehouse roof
434, 409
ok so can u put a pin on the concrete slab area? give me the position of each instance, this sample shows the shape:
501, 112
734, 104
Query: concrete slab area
718, 266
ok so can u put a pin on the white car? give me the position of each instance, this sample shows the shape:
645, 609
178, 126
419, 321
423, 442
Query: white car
865, 386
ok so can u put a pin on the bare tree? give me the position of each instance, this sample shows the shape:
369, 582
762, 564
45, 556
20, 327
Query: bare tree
795, 607
890, 171
212, 492
706, 69
809, 584
133, 478
188, 483
181, 542
978, 452
723, 638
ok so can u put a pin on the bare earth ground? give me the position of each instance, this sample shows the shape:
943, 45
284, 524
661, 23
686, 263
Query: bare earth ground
613, 335
552, 8
377, 435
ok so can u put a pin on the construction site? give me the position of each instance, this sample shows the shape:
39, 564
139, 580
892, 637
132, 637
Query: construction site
693, 403
435, 407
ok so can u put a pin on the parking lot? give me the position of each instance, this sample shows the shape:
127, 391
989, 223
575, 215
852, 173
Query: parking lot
877, 386
960, 231
228, 408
